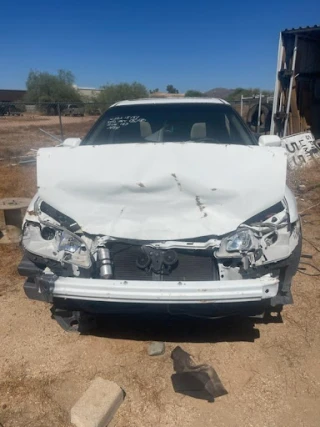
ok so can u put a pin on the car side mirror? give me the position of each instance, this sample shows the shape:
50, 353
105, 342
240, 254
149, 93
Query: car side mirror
71, 142
269, 141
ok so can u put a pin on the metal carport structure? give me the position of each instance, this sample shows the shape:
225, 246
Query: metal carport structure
296, 106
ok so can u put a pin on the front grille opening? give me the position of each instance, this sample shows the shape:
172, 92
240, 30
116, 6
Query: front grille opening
192, 265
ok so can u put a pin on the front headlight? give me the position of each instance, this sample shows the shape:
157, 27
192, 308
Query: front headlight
56, 244
69, 243
73, 249
239, 242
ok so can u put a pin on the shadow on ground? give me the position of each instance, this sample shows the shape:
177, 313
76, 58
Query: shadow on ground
194, 323
178, 329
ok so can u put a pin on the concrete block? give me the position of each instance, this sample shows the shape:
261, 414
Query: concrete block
156, 348
97, 406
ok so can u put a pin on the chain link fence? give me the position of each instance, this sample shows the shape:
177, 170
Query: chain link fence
249, 109
52, 109
25, 127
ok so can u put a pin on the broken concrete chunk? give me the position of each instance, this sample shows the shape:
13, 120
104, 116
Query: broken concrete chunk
156, 348
97, 406
199, 381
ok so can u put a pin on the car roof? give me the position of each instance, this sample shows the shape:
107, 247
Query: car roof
153, 101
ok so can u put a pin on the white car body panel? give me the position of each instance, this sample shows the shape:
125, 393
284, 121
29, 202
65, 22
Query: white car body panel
161, 191
292, 205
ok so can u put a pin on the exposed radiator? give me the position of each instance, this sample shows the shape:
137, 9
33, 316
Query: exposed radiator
192, 265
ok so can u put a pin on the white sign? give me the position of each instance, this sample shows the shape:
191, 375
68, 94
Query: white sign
301, 148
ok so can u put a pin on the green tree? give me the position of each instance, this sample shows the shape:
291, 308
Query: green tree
154, 90
118, 92
172, 89
43, 87
66, 76
193, 93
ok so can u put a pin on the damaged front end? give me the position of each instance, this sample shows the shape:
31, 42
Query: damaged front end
268, 243
54, 241
252, 265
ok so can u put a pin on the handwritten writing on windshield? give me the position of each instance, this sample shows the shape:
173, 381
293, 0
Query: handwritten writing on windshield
117, 122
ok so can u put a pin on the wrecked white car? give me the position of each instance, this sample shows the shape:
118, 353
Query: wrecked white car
164, 205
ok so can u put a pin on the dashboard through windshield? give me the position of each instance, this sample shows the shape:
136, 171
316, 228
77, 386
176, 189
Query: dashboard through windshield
151, 123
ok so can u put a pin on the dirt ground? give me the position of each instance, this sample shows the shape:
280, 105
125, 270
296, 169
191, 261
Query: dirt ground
271, 370
20, 134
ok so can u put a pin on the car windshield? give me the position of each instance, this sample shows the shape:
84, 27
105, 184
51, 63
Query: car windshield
196, 122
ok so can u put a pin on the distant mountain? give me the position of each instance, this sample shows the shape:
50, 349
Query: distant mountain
219, 92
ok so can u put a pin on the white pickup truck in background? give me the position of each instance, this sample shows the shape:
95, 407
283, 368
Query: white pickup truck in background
74, 110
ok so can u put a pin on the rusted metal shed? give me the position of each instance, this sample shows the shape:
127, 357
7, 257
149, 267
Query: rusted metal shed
296, 106
11, 95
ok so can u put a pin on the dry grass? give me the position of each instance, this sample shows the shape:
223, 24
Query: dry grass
33, 407
17, 181
305, 183
20, 181
21, 134
10, 257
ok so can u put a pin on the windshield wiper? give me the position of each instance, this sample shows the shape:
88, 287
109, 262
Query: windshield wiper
206, 139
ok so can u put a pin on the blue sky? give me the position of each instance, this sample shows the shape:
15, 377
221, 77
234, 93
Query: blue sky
192, 45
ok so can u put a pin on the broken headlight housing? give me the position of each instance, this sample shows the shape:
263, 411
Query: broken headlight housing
241, 241
63, 246
69, 243
73, 249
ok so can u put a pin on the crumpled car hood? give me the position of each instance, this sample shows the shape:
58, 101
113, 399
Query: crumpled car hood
161, 191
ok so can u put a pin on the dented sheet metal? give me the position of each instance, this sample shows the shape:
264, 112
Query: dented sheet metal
161, 191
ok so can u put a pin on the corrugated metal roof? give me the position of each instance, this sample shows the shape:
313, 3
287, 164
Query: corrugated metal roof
302, 29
